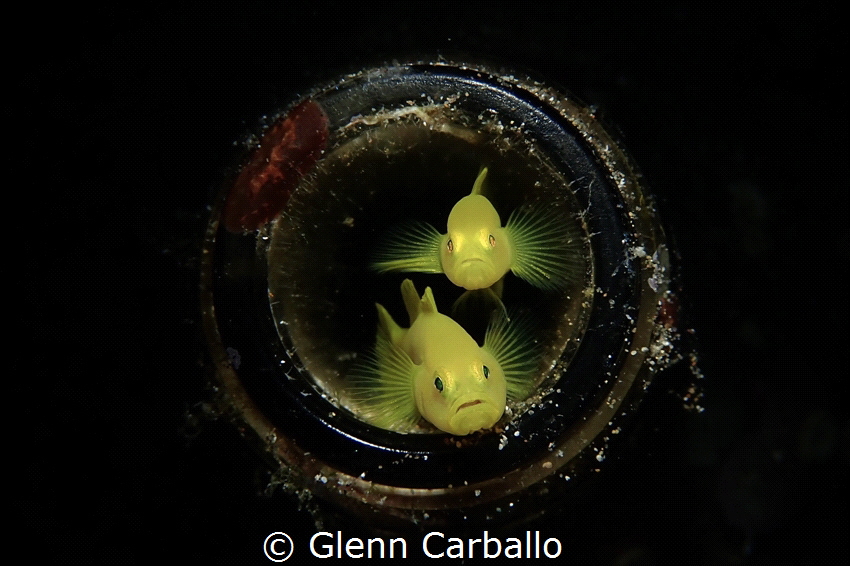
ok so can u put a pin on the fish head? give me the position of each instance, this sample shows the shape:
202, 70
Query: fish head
476, 251
465, 393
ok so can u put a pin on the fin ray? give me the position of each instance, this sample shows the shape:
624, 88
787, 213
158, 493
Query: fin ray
412, 247
511, 342
547, 248
382, 387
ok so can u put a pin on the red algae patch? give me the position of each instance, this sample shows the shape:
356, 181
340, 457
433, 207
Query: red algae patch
286, 153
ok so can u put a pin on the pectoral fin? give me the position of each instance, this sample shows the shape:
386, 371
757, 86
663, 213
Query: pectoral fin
513, 345
547, 247
412, 247
382, 388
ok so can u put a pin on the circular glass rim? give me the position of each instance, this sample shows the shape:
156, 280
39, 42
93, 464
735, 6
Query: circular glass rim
342, 456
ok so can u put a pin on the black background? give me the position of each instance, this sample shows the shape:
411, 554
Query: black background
121, 123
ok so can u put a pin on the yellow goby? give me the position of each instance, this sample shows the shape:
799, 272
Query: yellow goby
477, 251
436, 370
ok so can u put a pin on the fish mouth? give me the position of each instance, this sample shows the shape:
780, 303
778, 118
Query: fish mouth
475, 414
474, 272
469, 404
481, 403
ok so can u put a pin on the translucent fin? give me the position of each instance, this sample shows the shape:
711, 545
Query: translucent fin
474, 308
498, 288
547, 247
511, 342
412, 247
382, 387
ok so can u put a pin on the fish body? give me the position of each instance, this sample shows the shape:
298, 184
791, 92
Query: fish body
477, 251
436, 370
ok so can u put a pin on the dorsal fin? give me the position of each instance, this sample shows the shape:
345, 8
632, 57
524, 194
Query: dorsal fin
411, 299
478, 186
413, 303
428, 304
387, 327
